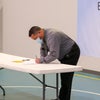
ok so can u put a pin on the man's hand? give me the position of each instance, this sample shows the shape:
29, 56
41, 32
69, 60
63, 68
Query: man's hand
37, 60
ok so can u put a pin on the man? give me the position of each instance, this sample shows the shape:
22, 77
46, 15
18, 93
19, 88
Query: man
57, 45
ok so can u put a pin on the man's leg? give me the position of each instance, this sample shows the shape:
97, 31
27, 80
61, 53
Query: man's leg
66, 78
66, 83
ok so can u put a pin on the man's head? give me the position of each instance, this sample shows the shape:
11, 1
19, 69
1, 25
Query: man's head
36, 32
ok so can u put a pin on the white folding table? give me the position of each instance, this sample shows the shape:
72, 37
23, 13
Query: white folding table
27, 65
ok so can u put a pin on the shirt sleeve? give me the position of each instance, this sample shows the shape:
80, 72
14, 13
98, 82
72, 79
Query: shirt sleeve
54, 48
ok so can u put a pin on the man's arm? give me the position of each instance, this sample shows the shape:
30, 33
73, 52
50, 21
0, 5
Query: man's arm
54, 48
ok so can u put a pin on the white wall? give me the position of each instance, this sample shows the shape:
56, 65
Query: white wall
0, 4
20, 15
1, 25
0, 29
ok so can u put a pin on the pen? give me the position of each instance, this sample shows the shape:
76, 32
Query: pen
25, 59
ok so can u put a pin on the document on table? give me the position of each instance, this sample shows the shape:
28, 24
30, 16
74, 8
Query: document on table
32, 61
25, 61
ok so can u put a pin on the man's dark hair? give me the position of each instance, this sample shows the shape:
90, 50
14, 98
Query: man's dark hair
33, 30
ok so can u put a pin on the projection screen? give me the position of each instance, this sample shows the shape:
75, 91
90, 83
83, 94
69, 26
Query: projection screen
88, 28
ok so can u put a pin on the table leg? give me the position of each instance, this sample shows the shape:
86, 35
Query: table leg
1, 86
44, 87
57, 86
2, 90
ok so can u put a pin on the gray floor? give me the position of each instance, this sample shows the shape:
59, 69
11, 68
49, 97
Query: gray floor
20, 96
85, 87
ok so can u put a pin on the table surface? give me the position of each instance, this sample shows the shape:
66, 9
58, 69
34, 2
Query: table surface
18, 63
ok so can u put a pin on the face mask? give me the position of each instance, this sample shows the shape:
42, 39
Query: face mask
39, 40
